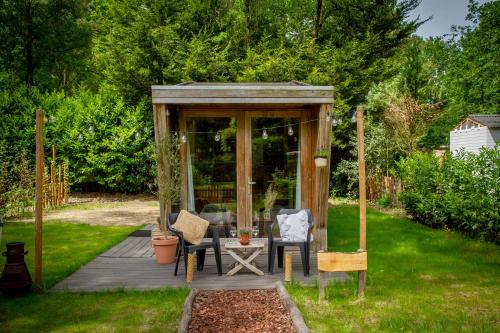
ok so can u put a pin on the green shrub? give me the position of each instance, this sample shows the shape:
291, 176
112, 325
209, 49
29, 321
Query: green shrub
385, 201
460, 192
107, 143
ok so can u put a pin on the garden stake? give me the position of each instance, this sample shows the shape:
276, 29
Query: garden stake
288, 267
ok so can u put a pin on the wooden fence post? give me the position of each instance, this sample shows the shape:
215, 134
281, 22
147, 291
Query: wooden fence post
52, 177
39, 197
362, 195
60, 187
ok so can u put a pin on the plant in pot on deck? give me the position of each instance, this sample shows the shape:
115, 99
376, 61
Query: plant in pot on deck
245, 236
321, 157
169, 184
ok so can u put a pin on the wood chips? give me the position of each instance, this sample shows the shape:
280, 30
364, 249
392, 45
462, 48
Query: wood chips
239, 311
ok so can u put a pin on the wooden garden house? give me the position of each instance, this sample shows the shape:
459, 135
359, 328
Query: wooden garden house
247, 149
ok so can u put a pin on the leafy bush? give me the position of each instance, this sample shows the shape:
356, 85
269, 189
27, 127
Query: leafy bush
107, 143
17, 189
459, 192
385, 201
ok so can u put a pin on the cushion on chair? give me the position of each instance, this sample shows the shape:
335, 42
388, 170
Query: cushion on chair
192, 227
293, 227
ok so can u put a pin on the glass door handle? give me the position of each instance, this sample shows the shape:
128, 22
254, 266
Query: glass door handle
250, 183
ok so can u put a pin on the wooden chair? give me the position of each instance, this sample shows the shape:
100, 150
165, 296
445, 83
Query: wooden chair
184, 248
277, 246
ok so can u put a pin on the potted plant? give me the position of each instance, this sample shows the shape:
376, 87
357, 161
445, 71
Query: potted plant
321, 157
165, 246
245, 236
168, 175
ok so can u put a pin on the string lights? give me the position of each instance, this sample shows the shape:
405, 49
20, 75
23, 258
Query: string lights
265, 130
264, 134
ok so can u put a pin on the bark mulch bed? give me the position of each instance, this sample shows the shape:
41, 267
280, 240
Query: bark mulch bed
238, 311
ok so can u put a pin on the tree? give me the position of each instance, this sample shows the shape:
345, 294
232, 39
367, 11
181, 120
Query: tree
44, 42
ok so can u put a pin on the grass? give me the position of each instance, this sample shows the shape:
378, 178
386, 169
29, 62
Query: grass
419, 280
66, 246
131, 311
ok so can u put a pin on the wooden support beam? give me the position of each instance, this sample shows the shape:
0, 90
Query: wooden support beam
39, 197
322, 179
362, 194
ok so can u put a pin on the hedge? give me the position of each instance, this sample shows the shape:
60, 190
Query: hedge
458, 192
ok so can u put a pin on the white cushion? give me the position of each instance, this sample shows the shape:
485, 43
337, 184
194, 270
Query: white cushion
294, 227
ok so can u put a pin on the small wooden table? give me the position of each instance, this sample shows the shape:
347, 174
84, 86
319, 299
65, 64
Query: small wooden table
245, 256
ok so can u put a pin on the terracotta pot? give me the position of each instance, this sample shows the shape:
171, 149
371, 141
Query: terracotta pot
165, 249
320, 162
245, 239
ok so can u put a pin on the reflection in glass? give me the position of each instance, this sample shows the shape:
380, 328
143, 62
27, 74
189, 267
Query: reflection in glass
211, 170
275, 168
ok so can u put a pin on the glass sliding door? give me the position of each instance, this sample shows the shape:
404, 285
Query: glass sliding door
211, 169
275, 171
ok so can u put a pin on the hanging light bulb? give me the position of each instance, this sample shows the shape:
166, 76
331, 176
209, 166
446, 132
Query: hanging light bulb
264, 134
290, 130
183, 137
335, 122
328, 116
217, 136
353, 119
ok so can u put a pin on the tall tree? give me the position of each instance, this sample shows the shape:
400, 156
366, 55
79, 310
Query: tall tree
44, 41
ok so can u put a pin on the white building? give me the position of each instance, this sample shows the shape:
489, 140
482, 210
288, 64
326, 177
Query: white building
474, 132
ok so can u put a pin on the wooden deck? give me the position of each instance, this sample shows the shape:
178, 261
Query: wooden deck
131, 265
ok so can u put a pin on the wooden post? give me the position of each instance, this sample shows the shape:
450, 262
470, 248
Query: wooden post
52, 177
321, 285
66, 181
60, 187
39, 197
322, 179
190, 268
288, 267
362, 195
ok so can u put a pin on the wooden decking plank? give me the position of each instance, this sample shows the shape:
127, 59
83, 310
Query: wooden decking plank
131, 265
130, 245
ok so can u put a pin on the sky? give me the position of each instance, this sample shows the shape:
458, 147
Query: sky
445, 14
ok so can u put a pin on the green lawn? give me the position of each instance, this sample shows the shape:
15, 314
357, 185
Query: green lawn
67, 246
419, 280
131, 311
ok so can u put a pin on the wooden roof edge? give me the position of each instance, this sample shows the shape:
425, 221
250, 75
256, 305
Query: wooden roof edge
242, 100
242, 87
